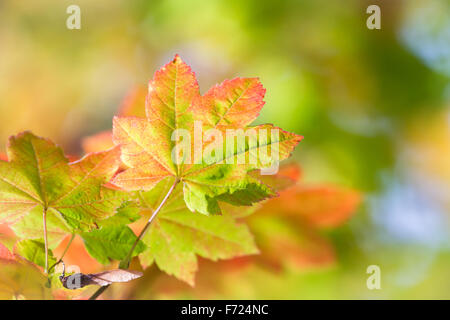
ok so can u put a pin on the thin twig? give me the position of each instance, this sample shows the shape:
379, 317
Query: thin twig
125, 263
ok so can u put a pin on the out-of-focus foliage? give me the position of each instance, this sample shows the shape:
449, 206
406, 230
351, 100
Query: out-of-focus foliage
373, 106
20, 279
287, 228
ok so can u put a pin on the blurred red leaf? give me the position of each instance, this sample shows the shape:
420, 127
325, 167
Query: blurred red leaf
134, 102
78, 256
321, 206
99, 142
287, 227
290, 170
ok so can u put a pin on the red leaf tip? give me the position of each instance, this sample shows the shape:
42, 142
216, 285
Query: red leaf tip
177, 59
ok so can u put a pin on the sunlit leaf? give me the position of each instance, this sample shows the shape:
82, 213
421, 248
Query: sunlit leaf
32, 227
177, 236
234, 103
34, 251
126, 214
39, 178
174, 103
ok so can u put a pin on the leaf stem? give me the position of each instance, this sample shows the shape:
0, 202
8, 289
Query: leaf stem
125, 263
62, 255
49, 282
67, 247
44, 218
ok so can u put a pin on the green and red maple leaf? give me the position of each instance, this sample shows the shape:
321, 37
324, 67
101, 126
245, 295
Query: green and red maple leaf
38, 178
173, 103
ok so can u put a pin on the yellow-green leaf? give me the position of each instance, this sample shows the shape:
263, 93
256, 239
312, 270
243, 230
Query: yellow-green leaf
177, 236
38, 178
111, 243
34, 251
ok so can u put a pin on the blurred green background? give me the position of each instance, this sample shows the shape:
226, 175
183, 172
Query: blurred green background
373, 106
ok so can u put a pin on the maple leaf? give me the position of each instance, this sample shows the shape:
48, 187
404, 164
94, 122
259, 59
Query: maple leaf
38, 178
291, 222
34, 251
177, 235
173, 103
111, 243
284, 238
